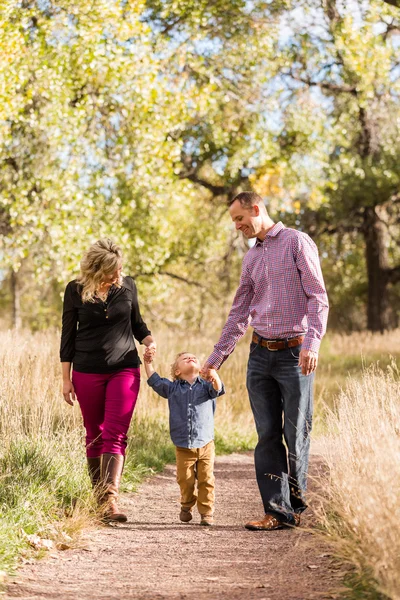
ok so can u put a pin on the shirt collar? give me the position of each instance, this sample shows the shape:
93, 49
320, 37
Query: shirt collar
273, 232
182, 381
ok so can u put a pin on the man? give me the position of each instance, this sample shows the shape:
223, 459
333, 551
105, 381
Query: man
282, 293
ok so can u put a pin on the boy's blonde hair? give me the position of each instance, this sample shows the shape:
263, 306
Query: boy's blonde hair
175, 364
102, 258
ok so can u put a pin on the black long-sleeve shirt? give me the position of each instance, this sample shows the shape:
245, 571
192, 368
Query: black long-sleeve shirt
97, 337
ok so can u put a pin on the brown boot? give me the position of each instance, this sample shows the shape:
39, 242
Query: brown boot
111, 471
185, 515
94, 470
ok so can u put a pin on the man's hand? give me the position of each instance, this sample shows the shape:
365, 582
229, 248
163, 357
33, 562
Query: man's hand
150, 352
205, 371
69, 392
308, 361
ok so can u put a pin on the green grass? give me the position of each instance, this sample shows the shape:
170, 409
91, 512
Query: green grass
40, 483
234, 441
149, 450
361, 586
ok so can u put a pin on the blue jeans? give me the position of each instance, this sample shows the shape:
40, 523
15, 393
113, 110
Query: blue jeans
281, 399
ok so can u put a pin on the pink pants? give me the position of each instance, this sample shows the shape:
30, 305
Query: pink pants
107, 402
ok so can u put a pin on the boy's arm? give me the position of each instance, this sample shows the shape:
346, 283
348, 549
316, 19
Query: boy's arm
161, 385
215, 379
149, 369
216, 387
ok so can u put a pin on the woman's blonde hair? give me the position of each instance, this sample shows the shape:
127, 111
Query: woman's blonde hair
175, 364
102, 258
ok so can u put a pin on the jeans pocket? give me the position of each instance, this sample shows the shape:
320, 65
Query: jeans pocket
295, 352
253, 346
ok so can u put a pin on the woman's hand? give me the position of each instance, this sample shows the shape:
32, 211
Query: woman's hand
150, 352
69, 392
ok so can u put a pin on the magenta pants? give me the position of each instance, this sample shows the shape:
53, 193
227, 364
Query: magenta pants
107, 402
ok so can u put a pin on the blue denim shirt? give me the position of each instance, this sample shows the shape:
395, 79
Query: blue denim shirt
191, 409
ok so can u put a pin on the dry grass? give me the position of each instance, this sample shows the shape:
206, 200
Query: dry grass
361, 501
42, 463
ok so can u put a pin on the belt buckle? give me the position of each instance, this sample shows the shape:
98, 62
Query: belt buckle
271, 349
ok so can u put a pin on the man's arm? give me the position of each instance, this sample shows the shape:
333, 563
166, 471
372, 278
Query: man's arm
236, 324
309, 267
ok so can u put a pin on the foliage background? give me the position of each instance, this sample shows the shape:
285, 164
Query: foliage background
138, 120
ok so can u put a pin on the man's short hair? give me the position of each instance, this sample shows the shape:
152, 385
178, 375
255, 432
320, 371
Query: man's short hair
247, 199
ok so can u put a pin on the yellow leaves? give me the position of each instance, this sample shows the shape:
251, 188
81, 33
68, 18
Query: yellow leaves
268, 182
297, 206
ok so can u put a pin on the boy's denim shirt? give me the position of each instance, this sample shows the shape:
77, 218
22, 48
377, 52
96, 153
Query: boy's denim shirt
191, 409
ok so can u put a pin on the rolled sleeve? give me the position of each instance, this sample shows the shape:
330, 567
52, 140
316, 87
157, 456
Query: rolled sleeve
237, 322
69, 326
139, 327
314, 287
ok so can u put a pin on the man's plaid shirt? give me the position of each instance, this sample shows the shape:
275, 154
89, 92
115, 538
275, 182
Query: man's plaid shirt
281, 292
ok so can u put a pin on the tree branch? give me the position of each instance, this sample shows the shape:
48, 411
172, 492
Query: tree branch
394, 275
189, 282
217, 190
395, 3
326, 85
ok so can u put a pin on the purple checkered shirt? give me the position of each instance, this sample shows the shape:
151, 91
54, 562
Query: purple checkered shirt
281, 292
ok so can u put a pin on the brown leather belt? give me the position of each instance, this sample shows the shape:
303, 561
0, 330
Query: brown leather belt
278, 344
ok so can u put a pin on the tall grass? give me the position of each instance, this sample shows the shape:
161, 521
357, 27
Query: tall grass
361, 496
44, 487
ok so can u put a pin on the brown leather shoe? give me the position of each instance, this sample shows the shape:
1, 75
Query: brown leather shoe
111, 471
270, 523
185, 515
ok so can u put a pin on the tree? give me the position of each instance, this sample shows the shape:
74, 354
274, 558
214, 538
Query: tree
95, 103
345, 68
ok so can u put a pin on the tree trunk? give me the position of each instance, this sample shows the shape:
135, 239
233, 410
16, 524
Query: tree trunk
380, 314
16, 301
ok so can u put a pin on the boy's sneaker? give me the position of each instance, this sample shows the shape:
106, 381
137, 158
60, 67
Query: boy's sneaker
207, 520
185, 515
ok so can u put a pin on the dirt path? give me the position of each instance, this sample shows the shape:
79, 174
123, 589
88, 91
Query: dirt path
156, 557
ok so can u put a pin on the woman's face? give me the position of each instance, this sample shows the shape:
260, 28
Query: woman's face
110, 278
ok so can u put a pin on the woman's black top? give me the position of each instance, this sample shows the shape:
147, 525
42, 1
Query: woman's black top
97, 337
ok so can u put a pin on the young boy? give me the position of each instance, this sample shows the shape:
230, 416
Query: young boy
191, 403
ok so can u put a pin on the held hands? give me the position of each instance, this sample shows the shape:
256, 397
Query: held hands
69, 392
212, 376
205, 371
308, 361
150, 352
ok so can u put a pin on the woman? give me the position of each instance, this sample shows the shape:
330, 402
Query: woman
100, 317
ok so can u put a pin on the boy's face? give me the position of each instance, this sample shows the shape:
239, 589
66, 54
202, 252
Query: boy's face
187, 364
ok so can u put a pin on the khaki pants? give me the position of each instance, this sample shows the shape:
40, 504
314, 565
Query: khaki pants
192, 464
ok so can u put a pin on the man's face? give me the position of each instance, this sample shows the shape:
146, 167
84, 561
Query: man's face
247, 220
